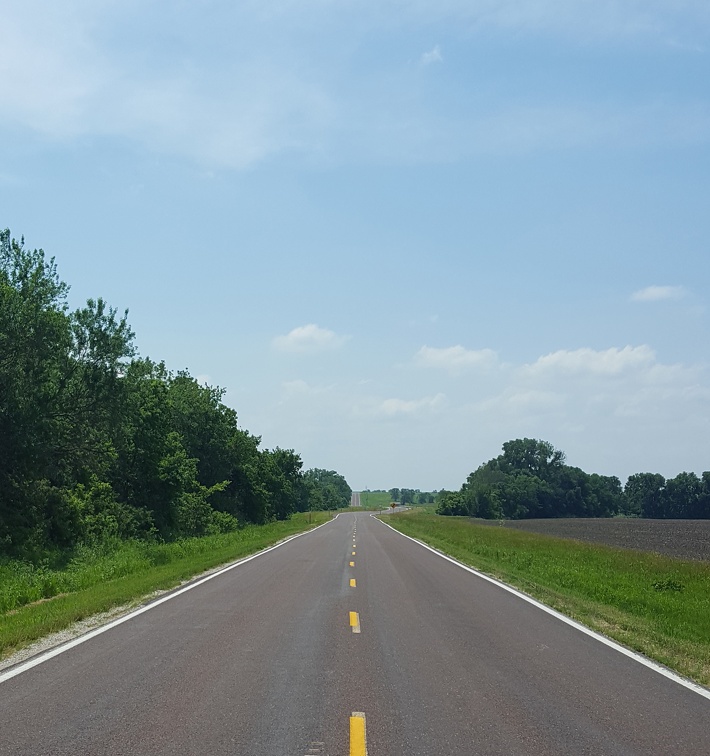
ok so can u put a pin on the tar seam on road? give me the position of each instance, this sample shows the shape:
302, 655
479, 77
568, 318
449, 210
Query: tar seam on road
655, 666
358, 736
35, 661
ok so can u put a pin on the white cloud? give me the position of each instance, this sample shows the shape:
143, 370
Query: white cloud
607, 362
309, 339
658, 293
249, 84
393, 407
455, 358
433, 56
615, 411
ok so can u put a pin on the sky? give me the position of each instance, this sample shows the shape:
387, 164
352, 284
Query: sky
398, 233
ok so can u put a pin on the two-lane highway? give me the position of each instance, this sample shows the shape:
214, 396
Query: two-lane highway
349, 633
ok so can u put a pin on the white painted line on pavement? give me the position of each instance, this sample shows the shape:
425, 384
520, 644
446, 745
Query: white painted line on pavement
43, 657
655, 666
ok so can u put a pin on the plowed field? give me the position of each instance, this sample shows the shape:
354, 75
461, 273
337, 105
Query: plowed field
684, 539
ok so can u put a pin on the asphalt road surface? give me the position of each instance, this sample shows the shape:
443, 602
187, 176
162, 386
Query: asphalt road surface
355, 499
349, 632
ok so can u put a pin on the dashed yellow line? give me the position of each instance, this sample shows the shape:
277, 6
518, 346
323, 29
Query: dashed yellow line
353, 554
355, 622
352, 564
352, 583
358, 736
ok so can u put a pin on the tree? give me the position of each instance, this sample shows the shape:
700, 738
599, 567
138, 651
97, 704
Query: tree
59, 375
683, 497
98, 444
537, 458
530, 479
406, 496
451, 503
326, 489
644, 494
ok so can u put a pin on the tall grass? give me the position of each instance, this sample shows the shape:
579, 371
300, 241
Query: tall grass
36, 600
654, 604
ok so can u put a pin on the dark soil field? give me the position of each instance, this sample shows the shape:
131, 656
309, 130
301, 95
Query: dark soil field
683, 539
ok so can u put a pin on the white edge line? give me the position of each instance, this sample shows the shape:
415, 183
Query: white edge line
47, 655
655, 666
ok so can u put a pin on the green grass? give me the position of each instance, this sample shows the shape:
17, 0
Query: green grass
656, 605
36, 601
375, 500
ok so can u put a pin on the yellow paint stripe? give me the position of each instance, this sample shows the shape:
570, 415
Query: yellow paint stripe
353, 554
355, 622
352, 564
358, 737
352, 583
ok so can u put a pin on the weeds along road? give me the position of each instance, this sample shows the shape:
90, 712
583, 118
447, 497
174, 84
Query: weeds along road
347, 633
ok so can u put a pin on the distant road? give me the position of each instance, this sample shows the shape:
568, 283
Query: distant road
355, 499
347, 634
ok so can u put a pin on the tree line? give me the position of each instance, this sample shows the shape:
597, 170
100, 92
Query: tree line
411, 496
530, 479
98, 443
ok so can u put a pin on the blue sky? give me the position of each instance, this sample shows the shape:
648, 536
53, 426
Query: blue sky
399, 233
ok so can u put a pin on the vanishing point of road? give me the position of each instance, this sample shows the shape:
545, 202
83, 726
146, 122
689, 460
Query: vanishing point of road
349, 639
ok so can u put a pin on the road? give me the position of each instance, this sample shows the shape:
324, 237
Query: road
275, 656
355, 499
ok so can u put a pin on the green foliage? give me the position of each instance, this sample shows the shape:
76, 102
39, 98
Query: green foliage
531, 479
684, 497
325, 489
98, 444
668, 584
411, 496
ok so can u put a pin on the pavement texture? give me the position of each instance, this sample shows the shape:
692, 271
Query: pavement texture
266, 659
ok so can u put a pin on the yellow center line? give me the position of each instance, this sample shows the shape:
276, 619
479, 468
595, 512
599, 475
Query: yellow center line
358, 738
355, 622
352, 583
352, 564
353, 554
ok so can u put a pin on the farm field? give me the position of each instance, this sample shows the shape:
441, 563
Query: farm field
375, 499
682, 539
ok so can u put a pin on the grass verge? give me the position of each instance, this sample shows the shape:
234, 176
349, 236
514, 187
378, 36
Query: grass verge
655, 605
38, 601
